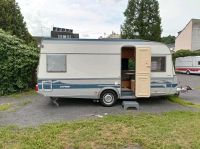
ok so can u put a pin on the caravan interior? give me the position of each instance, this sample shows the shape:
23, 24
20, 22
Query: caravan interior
128, 59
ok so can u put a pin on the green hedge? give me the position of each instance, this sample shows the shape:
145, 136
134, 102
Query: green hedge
18, 63
183, 53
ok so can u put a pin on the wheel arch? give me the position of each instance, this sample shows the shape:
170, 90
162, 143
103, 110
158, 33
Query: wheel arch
107, 89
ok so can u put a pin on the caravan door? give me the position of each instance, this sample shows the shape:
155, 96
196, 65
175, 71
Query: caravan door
143, 72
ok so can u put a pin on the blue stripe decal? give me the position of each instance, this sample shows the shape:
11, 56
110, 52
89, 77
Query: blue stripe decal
164, 85
78, 86
60, 85
158, 86
174, 85
39, 86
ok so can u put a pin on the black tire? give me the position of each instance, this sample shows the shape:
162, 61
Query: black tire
188, 72
108, 98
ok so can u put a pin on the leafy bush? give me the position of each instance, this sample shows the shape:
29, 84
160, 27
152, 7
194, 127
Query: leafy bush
183, 53
18, 62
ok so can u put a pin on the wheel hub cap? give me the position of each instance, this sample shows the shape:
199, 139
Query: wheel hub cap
108, 98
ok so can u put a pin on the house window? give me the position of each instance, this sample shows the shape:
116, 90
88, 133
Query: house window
56, 63
198, 62
60, 36
69, 36
158, 64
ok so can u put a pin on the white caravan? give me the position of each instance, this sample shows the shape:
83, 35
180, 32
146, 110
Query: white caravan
188, 65
105, 69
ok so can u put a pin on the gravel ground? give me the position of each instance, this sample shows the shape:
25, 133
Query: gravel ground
32, 109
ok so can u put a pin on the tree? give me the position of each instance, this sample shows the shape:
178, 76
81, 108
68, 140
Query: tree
168, 39
12, 21
142, 20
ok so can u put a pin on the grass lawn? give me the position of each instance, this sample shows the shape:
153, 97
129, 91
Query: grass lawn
27, 92
168, 130
5, 106
182, 102
21, 99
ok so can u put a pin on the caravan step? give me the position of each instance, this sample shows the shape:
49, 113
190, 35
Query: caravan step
128, 97
127, 93
126, 90
130, 104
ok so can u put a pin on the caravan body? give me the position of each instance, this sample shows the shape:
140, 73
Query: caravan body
90, 68
188, 65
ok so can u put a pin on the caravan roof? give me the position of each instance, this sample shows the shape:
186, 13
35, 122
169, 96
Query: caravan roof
52, 45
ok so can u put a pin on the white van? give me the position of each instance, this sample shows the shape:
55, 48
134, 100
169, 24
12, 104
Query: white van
105, 69
188, 65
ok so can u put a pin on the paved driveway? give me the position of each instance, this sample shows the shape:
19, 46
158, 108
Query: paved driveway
39, 110
194, 82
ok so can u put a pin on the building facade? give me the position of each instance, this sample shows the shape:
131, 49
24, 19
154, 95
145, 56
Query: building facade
114, 36
63, 33
189, 37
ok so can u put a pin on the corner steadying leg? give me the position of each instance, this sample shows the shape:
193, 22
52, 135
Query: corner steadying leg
54, 101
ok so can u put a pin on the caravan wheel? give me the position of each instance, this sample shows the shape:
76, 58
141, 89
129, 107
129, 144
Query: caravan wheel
108, 98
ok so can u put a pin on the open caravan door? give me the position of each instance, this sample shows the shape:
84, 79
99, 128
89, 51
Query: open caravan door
143, 72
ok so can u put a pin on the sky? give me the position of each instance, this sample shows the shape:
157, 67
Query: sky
95, 18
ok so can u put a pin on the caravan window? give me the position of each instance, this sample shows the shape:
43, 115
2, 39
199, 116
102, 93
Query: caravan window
158, 64
198, 62
56, 63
